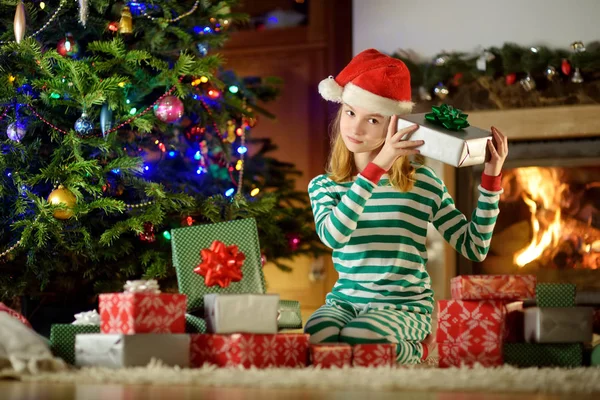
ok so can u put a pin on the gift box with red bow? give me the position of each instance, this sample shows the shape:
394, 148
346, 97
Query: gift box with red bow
141, 308
249, 350
219, 258
331, 355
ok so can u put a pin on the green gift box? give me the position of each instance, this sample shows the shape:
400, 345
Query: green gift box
187, 244
555, 294
194, 324
543, 354
62, 339
289, 316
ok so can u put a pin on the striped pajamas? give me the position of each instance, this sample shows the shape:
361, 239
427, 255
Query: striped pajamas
378, 236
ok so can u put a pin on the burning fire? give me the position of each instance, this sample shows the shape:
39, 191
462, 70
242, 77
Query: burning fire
540, 186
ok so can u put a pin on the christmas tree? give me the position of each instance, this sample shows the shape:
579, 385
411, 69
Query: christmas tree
122, 124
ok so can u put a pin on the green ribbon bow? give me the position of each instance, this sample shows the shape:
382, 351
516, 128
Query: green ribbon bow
449, 117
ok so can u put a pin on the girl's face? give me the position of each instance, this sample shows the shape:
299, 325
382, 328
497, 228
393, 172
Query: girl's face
362, 131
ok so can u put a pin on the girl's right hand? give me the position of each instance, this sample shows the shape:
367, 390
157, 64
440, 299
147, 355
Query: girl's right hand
394, 146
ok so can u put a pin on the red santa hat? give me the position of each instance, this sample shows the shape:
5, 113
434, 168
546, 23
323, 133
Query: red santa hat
374, 81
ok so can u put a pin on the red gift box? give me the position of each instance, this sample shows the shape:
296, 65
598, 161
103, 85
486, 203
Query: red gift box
470, 331
374, 355
129, 313
493, 287
331, 355
249, 350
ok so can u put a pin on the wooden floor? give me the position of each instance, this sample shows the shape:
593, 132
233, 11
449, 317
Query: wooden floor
12, 390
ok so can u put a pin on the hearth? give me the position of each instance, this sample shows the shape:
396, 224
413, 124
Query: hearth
549, 222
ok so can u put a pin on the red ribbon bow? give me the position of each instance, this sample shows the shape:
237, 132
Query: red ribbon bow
221, 264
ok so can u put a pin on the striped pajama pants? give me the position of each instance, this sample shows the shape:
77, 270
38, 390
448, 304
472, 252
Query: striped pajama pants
341, 322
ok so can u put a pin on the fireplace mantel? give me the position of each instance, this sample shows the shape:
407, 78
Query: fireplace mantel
542, 123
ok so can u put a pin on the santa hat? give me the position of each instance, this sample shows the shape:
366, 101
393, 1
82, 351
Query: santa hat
374, 81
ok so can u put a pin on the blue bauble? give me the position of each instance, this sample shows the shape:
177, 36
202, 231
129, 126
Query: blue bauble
83, 125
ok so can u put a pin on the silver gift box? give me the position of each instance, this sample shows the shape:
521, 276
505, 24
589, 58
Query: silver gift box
241, 313
119, 351
558, 325
462, 148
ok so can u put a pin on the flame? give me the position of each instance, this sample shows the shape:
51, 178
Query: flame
540, 186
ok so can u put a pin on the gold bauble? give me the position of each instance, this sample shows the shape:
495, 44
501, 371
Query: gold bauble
126, 23
62, 196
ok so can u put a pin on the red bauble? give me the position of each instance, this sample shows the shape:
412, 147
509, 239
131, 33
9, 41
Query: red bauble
511, 78
294, 241
457, 79
148, 234
565, 67
67, 46
169, 109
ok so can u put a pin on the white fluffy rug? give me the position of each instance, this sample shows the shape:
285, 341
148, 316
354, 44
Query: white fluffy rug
504, 379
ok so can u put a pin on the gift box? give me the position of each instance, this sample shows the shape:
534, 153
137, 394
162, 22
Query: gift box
559, 325
194, 324
331, 355
493, 287
595, 356
241, 313
130, 313
543, 354
62, 339
470, 331
289, 315
514, 323
234, 244
249, 350
119, 351
555, 294
447, 137
374, 355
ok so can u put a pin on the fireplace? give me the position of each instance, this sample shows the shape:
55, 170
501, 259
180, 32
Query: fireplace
549, 221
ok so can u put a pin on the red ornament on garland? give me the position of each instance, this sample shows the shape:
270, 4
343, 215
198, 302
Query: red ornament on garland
294, 241
457, 79
221, 264
565, 67
148, 234
511, 78
169, 109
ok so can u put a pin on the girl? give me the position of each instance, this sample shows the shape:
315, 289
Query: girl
373, 207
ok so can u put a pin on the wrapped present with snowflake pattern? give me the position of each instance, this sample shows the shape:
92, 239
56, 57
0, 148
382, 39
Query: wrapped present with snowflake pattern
470, 332
331, 355
142, 308
249, 350
493, 287
374, 355
219, 258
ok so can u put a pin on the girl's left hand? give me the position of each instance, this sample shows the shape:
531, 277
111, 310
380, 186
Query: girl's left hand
498, 148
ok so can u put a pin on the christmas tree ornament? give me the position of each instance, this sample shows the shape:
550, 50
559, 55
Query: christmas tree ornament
113, 27
169, 109
148, 234
457, 79
67, 46
565, 67
510, 78
16, 131
527, 83
62, 196
441, 91
550, 73
83, 125
202, 49
126, 23
441, 60
484, 59
106, 116
577, 78
84, 11
263, 259
20, 23
231, 131
578, 47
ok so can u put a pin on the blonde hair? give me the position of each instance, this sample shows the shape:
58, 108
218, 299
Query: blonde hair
341, 167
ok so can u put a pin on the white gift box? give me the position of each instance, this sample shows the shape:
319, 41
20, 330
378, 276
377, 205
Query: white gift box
241, 313
119, 351
462, 148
